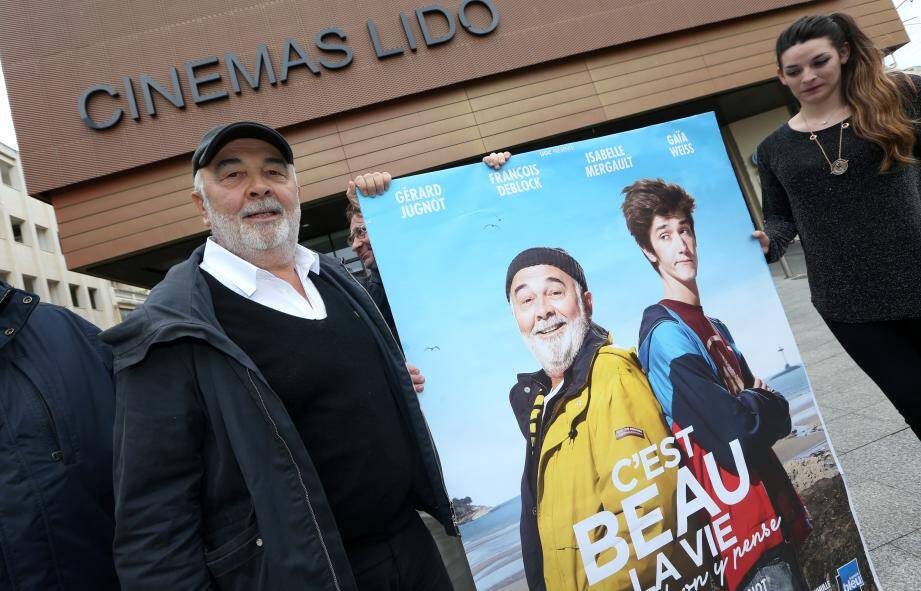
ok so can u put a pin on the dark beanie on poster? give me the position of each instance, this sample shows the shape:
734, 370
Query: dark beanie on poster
541, 255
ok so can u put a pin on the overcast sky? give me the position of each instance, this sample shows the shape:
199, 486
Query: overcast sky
910, 55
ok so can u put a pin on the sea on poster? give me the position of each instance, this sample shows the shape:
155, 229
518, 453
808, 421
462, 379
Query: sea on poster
689, 479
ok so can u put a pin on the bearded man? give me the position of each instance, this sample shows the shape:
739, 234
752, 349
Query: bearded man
589, 407
252, 450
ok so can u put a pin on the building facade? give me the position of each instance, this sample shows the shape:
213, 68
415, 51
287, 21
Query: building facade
109, 113
31, 258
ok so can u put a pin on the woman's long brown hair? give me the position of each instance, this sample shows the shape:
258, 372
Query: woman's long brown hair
880, 102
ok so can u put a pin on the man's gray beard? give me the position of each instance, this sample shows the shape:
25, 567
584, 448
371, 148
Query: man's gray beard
251, 243
556, 354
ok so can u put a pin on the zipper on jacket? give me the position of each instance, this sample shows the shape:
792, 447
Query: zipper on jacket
300, 479
428, 432
57, 451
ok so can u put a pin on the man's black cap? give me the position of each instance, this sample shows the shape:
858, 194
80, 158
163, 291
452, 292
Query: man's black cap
219, 136
555, 257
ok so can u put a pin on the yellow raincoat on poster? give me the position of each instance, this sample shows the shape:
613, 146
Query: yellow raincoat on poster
613, 416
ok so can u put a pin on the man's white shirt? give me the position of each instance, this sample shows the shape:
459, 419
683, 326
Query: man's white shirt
260, 286
547, 398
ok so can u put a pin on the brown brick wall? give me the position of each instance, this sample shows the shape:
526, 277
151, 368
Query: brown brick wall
150, 206
53, 50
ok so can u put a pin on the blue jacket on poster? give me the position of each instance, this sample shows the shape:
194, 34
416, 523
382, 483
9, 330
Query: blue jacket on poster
687, 384
685, 380
57, 406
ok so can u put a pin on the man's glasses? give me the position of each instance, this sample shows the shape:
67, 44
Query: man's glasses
358, 232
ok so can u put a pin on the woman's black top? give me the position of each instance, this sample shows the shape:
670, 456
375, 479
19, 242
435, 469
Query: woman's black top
860, 231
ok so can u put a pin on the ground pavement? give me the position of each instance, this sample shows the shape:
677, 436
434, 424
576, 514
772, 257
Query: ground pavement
880, 455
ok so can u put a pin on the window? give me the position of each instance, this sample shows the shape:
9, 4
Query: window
5, 276
124, 311
28, 283
44, 238
94, 304
75, 295
6, 174
336, 245
54, 291
18, 230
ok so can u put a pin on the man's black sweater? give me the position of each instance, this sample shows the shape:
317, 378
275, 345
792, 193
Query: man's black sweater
343, 410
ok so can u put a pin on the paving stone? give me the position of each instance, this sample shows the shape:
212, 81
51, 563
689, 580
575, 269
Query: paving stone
910, 543
883, 410
852, 431
821, 350
896, 569
846, 388
884, 513
830, 413
892, 461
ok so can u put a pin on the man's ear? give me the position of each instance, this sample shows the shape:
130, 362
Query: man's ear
198, 200
650, 256
587, 302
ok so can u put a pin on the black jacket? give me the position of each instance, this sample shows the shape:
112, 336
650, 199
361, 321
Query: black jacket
214, 488
57, 404
374, 285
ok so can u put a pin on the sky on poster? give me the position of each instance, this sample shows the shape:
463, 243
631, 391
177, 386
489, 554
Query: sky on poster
445, 277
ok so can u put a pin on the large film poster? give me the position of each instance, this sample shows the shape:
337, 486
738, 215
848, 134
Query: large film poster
612, 385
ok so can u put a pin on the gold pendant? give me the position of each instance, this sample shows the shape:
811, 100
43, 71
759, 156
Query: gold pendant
839, 166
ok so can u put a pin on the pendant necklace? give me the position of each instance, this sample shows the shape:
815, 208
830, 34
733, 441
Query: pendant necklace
839, 166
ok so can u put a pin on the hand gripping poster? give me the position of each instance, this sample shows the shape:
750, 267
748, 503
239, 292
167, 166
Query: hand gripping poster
614, 390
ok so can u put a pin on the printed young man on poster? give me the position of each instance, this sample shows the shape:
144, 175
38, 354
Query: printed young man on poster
589, 409
702, 381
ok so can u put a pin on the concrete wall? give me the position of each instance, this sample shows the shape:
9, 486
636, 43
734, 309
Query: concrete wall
38, 259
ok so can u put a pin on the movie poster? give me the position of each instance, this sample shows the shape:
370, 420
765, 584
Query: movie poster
616, 396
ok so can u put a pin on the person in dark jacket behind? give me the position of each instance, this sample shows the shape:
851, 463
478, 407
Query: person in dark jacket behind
251, 452
57, 401
703, 383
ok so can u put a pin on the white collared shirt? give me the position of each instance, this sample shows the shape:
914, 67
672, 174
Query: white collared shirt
260, 286
553, 393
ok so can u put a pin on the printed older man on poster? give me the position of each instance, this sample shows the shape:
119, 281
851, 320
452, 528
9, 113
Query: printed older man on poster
251, 451
587, 408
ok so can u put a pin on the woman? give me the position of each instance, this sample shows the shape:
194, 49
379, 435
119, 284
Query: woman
842, 174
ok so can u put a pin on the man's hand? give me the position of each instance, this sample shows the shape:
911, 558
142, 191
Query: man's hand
370, 184
763, 239
762, 385
497, 159
417, 377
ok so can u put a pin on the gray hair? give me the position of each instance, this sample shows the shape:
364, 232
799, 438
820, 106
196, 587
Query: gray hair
198, 184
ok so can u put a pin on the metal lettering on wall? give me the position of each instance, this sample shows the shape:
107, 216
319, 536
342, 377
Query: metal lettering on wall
332, 42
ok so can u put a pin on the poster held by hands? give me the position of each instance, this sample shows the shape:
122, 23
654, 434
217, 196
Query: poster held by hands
613, 387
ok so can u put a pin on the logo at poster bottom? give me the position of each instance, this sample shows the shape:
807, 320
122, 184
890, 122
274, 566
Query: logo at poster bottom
849, 577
